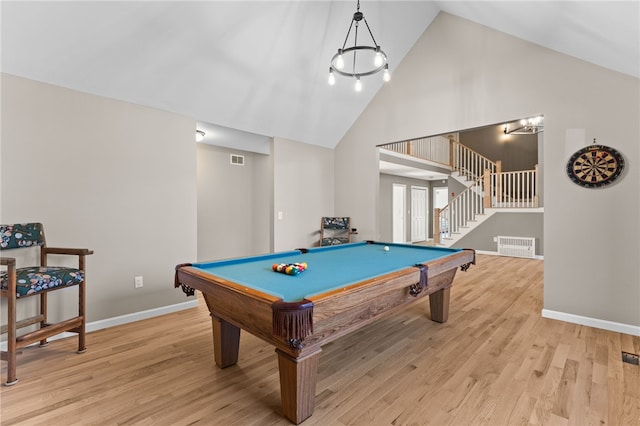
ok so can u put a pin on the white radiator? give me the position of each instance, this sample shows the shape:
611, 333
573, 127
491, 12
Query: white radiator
517, 246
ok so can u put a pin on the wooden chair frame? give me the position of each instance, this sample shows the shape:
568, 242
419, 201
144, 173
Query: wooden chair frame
332, 234
46, 329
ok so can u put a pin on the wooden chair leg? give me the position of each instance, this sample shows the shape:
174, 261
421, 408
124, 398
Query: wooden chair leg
11, 332
81, 305
43, 312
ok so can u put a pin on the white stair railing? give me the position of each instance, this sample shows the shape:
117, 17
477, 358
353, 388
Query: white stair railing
461, 210
511, 189
469, 163
492, 190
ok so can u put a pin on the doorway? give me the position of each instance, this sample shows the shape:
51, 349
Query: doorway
440, 200
399, 218
419, 214
440, 197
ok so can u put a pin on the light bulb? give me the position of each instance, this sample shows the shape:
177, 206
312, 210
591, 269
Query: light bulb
332, 77
386, 76
377, 61
339, 61
358, 85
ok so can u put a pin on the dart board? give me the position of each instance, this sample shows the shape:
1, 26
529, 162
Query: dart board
595, 166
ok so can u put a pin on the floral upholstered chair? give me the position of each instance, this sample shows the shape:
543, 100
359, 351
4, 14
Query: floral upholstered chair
23, 282
336, 230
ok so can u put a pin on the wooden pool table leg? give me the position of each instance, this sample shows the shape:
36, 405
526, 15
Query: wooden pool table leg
439, 305
298, 385
226, 342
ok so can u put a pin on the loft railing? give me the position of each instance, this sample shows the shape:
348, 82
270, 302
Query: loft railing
434, 148
446, 150
492, 190
511, 189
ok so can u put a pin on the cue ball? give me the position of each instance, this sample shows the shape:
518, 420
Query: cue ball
386, 248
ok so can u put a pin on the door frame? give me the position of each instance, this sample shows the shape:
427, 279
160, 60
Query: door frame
399, 220
426, 213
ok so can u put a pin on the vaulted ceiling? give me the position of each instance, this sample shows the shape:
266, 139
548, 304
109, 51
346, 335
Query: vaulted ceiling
262, 66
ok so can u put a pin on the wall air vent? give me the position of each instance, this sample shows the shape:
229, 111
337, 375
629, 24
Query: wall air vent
517, 246
237, 160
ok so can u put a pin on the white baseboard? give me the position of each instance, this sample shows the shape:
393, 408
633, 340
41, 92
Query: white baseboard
592, 322
137, 316
495, 253
123, 319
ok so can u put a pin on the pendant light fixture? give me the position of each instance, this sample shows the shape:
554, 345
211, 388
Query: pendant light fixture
358, 60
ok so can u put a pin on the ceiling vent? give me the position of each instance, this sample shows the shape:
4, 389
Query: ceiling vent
237, 160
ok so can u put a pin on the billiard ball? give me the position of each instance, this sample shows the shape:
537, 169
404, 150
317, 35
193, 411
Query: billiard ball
386, 248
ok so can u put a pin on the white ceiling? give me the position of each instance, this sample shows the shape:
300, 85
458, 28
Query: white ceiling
392, 168
262, 66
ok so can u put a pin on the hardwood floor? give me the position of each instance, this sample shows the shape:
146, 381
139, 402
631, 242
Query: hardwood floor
495, 362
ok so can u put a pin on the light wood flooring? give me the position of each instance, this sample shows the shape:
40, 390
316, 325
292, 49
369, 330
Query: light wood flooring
495, 362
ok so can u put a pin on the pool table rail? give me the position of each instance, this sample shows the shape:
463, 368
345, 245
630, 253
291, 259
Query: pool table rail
329, 315
369, 300
233, 303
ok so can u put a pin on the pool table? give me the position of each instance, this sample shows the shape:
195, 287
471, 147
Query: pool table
343, 288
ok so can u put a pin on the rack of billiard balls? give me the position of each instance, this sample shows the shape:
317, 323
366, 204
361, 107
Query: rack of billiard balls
289, 268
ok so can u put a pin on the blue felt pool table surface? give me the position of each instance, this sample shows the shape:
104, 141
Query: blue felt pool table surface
328, 268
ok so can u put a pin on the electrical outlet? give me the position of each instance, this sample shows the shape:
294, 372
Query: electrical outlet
495, 239
137, 282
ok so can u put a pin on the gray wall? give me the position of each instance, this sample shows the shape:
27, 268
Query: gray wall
234, 203
130, 183
111, 176
523, 224
386, 205
517, 152
455, 188
458, 76
303, 176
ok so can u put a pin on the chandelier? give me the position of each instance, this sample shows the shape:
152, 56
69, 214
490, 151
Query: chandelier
526, 126
372, 60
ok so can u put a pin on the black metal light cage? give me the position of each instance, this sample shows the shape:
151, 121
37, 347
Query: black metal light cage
357, 17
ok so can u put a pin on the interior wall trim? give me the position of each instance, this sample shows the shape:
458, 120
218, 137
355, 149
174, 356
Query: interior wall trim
122, 319
592, 322
495, 253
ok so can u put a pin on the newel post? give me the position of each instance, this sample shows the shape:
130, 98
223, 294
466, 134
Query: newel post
436, 226
498, 182
537, 185
486, 199
451, 151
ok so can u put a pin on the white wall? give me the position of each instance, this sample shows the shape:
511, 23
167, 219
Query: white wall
107, 175
234, 203
303, 182
461, 75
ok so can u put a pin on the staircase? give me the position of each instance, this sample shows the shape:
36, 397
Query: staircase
488, 188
